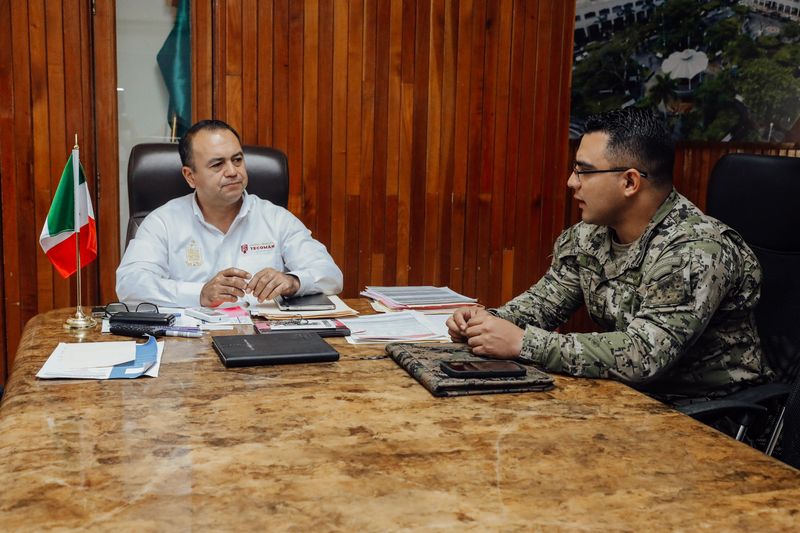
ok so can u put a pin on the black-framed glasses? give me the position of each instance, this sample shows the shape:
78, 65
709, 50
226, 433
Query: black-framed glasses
580, 173
120, 307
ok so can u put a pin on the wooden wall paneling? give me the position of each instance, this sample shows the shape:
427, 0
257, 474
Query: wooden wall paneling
41, 177
250, 73
366, 213
295, 148
446, 166
16, 176
352, 209
421, 218
7, 136
233, 65
474, 121
52, 126
380, 226
394, 220
486, 200
503, 21
80, 110
405, 215
338, 174
434, 212
251, 35
263, 80
554, 170
202, 59
515, 59
525, 203
324, 87
310, 124
280, 77
544, 55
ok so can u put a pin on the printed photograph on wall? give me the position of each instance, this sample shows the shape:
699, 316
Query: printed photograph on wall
719, 70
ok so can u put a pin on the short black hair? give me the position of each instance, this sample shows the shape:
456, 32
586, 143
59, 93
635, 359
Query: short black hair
637, 138
185, 144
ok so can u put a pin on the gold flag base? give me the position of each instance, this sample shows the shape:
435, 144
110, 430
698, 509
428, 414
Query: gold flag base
80, 321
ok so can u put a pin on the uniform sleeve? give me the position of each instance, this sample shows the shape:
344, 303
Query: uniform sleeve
680, 294
308, 259
555, 297
143, 273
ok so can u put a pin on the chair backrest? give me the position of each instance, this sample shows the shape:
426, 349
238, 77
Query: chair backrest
154, 178
757, 196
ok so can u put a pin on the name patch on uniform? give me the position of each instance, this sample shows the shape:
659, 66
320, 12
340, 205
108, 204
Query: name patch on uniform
194, 257
257, 248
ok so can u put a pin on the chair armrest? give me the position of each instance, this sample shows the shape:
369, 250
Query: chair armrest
714, 408
761, 393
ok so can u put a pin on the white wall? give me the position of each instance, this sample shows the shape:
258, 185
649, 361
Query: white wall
142, 98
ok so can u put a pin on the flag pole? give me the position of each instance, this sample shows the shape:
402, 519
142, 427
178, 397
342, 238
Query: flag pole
80, 320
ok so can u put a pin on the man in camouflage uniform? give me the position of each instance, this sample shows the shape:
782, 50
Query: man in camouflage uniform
673, 289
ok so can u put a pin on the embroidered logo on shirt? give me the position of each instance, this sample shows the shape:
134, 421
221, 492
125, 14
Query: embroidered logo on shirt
259, 248
193, 256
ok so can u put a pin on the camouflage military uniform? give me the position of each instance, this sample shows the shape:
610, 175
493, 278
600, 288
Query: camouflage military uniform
677, 307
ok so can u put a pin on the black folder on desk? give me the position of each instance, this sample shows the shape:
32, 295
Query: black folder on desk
273, 349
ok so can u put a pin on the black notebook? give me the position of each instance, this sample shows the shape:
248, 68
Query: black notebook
423, 363
273, 349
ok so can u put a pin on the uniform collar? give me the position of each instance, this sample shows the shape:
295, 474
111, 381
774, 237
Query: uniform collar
598, 242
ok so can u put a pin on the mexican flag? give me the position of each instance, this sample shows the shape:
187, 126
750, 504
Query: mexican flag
58, 234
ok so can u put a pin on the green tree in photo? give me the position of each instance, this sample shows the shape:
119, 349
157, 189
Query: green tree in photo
771, 93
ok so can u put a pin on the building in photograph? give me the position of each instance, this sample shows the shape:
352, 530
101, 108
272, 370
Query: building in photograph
596, 19
784, 8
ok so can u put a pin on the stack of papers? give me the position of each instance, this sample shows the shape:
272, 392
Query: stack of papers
426, 299
270, 311
404, 326
103, 360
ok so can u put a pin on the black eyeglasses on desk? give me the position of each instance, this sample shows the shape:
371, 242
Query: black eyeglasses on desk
120, 307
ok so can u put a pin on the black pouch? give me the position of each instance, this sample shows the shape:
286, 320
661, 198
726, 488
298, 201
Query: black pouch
133, 317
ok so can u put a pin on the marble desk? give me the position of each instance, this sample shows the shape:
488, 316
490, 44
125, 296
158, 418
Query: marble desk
358, 445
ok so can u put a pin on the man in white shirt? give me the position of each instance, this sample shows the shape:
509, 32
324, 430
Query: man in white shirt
220, 244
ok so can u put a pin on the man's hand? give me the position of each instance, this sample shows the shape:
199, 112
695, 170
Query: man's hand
494, 337
269, 283
227, 286
457, 323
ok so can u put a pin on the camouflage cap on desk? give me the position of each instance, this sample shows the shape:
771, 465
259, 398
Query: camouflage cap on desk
422, 362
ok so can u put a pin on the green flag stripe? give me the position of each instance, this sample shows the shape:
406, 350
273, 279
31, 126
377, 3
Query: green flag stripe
61, 217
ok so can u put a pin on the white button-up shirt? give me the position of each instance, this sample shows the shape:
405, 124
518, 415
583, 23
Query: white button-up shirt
175, 252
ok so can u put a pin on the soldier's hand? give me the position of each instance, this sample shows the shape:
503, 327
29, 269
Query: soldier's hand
269, 283
457, 323
227, 286
494, 337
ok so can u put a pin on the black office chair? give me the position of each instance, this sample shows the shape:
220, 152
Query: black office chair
154, 178
756, 195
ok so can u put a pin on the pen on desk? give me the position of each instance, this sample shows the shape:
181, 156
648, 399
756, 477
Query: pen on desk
190, 329
180, 333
